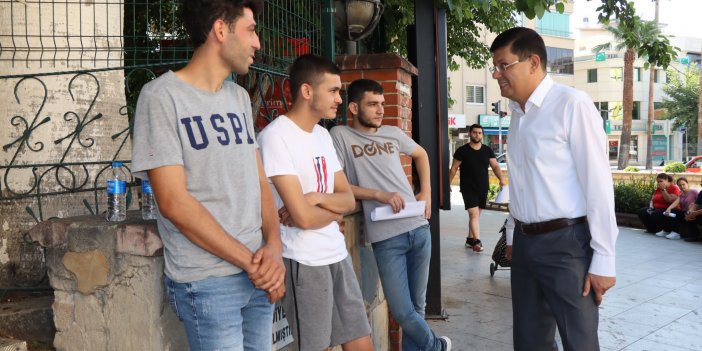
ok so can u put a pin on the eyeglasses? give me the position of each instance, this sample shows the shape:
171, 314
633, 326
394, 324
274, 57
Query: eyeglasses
503, 67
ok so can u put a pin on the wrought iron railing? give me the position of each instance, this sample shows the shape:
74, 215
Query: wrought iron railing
45, 68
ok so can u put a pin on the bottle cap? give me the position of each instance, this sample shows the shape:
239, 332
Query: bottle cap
116, 164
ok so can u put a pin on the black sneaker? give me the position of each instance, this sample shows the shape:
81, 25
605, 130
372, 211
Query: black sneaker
477, 246
470, 242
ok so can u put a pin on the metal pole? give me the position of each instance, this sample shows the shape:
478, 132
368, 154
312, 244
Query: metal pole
328, 24
499, 128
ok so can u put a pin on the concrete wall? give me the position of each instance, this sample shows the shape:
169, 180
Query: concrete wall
34, 39
108, 284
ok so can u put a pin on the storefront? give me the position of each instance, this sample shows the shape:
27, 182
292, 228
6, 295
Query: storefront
495, 130
661, 144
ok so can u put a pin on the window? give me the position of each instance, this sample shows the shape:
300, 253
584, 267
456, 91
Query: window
615, 74
636, 112
559, 60
603, 107
655, 75
475, 94
555, 24
592, 75
637, 74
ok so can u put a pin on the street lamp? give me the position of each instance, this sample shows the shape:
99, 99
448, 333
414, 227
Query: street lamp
356, 19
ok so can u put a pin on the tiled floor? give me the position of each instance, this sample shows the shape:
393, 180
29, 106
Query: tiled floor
656, 304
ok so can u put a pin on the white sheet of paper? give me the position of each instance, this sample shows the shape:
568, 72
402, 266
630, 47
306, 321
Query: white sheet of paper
503, 195
385, 212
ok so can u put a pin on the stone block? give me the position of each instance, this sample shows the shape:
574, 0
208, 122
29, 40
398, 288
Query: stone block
379, 326
12, 345
142, 240
51, 233
90, 268
28, 319
64, 310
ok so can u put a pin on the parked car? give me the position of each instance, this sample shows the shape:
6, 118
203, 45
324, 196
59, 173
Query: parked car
694, 164
502, 160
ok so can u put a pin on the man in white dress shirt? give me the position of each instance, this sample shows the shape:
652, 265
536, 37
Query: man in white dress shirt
561, 224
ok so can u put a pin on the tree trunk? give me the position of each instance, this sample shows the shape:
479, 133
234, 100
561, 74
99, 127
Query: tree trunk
699, 118
628, 102
649, 127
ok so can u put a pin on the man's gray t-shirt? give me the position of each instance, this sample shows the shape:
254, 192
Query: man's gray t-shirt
212, 136
373, 161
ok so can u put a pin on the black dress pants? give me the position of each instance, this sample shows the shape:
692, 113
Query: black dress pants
548, 275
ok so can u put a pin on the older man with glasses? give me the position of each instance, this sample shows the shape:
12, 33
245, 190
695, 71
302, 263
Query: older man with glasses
561, 225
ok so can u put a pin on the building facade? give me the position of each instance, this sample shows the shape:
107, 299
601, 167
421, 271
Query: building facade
474, 90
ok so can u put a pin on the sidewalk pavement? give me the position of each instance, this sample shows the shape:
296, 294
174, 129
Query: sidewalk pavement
656, 304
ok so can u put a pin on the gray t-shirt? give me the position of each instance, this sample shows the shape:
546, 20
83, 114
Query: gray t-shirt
373, 161
212, 136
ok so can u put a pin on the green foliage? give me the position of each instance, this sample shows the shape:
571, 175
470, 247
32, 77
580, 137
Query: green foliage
645, 38
493, 190
681, 103
674, 167
465, 24
631, 169
633, 195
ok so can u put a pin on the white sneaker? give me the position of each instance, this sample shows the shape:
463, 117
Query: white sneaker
446, 342
662, 233
673, 235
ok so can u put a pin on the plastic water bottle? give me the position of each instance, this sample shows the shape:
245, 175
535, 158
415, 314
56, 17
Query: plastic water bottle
116, 193
148, 207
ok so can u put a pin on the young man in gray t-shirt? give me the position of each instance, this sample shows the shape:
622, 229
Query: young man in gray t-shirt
194, 140
370, 155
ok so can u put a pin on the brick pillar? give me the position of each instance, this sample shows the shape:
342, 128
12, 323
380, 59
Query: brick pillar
394, 73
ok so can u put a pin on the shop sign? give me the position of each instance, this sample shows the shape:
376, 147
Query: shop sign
493, 121
456, 121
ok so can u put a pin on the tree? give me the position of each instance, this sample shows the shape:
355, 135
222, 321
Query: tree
651, 78
468, 19
682, 101
642, 38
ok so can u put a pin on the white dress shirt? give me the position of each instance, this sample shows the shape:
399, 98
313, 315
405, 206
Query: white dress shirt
559, 168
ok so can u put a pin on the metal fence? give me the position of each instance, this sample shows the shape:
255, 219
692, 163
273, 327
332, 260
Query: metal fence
69, 53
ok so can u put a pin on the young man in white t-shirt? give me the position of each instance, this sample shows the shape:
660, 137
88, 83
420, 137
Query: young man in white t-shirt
324, 304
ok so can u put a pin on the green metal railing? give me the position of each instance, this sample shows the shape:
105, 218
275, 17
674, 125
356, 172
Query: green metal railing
79, 43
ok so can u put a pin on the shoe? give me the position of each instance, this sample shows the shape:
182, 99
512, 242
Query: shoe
673, 235
478, 246
446, 343
470, 242
662, 233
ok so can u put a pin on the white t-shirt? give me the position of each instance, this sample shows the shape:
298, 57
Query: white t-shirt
286, 149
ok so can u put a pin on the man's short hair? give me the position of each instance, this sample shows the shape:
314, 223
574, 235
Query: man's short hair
360, 87
309, 69
475, 126
199, 15
524, 42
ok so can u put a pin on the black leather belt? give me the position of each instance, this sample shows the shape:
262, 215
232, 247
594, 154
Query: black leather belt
549, 226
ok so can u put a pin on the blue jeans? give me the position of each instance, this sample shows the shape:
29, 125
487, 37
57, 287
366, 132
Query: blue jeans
223, 313
403, 264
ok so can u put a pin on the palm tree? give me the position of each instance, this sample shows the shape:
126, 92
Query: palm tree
628, 94
629, 41
650, 32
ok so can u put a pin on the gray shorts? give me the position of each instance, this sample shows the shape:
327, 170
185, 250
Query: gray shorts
323, 305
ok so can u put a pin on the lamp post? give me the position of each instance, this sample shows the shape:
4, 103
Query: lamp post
501, 115
355, 20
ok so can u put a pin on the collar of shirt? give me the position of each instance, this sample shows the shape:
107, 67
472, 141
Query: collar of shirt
536, 98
